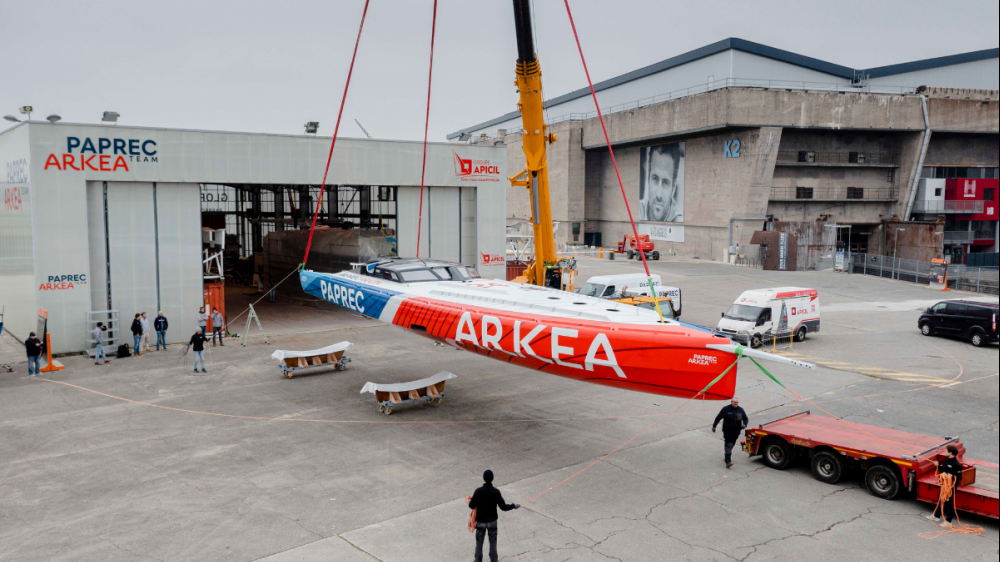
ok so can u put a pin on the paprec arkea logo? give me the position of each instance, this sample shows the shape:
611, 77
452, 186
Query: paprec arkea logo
106, 155
63, 282
476, 170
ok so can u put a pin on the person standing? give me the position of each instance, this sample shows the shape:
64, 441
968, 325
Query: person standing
144, 342
486, 501
198, 346
217, 326
203, 321
161, 325
953, 469
734, 420
137, 336
33, 346
99, 339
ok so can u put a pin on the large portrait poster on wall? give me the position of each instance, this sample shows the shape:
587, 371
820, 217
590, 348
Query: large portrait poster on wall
661, 183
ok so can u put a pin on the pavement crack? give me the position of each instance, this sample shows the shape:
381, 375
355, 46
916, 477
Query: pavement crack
118, 547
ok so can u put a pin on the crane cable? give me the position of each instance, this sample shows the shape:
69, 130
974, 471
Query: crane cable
427, 124
604, 127
336, 131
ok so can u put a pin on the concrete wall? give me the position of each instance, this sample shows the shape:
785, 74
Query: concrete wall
964, 115
963, 151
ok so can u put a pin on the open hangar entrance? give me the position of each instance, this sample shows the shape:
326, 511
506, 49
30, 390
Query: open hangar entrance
123, 220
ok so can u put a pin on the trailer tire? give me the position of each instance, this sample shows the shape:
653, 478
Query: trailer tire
883, 482
777, 454
827, 467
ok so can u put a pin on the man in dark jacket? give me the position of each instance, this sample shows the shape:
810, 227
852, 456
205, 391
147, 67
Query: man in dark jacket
486, 501
734, 420
952, 467
161, 325
137, 336
34, 348
198, 346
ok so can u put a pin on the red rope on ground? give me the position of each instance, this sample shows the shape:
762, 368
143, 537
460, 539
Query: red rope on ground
336, 131
607, 137
427, 124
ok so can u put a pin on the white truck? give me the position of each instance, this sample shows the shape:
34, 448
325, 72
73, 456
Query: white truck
620, 286
757, 315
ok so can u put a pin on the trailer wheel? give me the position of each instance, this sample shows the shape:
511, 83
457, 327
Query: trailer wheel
827, 467
883, 482
777, 454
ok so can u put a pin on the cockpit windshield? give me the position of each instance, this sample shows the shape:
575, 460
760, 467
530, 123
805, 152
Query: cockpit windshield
400, 273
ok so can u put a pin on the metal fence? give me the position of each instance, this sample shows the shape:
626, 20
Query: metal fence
985, 280
955, 207
838, 158
861, 194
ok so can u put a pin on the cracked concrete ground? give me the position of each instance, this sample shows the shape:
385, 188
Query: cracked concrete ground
87, 477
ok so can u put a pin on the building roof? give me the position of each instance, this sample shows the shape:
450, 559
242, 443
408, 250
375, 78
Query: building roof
755, 49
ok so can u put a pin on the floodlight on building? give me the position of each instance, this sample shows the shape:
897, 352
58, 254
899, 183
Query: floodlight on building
312, 127
27, 110
53, 118
110, 117
11, 118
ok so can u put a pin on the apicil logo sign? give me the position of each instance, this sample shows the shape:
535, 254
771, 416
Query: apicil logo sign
492, 259
476, 170
85, 155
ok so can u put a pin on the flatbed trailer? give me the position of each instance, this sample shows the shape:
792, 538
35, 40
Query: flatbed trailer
893, 461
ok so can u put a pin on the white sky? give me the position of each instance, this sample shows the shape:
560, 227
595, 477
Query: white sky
270, 66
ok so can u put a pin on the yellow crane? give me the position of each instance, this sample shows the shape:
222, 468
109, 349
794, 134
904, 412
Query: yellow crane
547, 270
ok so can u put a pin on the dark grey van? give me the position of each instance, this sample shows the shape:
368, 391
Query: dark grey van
973, 321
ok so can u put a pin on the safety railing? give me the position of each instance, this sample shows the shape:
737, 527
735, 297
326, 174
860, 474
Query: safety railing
860, 194
806, 157
959, 237
729, 83
950, 207
988, 234
984, 280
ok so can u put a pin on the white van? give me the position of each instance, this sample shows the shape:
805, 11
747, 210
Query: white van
631, 285
765, 312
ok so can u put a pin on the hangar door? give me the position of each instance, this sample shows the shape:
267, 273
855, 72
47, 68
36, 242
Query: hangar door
449, 227
145, 253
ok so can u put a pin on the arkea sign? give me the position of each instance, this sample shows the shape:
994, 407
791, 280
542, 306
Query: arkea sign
104, 155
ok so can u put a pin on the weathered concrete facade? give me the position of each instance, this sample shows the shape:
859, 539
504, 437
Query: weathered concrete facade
843, 157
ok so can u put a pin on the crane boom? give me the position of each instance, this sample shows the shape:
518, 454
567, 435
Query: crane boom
547, 270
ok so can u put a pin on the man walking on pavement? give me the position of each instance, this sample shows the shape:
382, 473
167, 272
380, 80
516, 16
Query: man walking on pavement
34, 349
161, 325
99, 351
198, 346
203, 321
734, 420
144, 343
486, 501
137, 336
217, 326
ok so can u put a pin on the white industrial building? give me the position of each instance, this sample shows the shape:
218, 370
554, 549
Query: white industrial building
740, 63
98, 218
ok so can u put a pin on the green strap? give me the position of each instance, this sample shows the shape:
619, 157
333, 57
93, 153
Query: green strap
768, 374
720, 377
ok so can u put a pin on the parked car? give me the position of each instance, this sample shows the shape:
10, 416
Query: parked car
973, 321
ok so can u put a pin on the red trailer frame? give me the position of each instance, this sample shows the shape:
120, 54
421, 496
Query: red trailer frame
893, 461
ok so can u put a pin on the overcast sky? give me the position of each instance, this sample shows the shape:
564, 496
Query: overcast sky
270, 66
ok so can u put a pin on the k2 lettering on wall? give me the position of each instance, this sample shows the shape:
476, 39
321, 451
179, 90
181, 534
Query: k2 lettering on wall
732, 149
105, 155
476, 170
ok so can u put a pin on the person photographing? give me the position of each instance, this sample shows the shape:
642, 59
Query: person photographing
486, 501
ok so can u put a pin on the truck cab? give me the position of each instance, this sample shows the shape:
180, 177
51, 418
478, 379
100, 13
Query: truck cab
625, 286
765, 313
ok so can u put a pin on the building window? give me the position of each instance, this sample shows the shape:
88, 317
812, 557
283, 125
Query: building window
803, 193
937, 192
988, 194
855, 193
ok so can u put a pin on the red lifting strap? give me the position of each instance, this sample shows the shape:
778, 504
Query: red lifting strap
427, 124
329, 160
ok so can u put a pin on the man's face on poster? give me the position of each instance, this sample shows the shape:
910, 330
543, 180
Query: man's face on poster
662, 186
